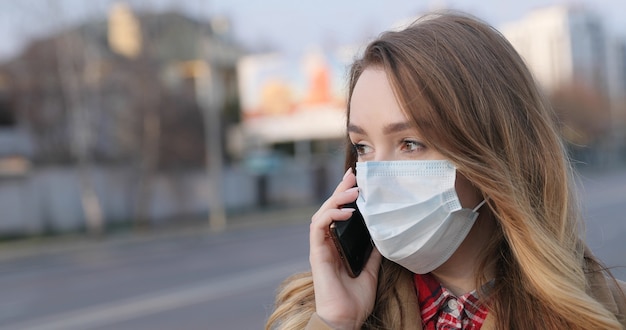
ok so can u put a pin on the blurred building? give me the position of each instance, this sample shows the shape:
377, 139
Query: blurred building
128, 95
110, 118
581, 66
562, 44
93, 86
287, 98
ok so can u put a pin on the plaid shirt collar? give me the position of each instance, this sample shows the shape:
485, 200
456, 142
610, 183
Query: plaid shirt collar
440, 309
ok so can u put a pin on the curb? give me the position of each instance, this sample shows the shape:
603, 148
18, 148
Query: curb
42, 245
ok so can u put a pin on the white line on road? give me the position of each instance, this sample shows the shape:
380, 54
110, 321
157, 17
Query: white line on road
111, 313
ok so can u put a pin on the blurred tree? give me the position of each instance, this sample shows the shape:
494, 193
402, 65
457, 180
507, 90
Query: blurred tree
79, 89
84, 101
584, 113
122, 90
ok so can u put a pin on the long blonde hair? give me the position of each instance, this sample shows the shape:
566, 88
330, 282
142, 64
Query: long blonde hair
472, 98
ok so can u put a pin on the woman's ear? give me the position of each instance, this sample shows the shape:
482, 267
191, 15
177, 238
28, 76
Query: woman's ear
469, 195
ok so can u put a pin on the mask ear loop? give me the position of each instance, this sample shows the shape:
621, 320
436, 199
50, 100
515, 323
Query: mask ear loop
480, 205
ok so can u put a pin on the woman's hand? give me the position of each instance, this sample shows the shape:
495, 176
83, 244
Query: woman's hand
340, 300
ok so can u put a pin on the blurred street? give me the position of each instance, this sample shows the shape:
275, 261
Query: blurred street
124, 122
604, 201
189, 278
184, 279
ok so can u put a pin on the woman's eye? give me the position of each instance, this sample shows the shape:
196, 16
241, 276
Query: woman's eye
412, 146
361, 149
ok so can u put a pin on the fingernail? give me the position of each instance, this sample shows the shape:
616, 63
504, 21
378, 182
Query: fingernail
348, 209
347, 173
353, 189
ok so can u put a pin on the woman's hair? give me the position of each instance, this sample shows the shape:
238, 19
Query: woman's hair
471, 97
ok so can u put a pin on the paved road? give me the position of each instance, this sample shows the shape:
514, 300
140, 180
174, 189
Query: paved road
604, 196
192, 279
189, 279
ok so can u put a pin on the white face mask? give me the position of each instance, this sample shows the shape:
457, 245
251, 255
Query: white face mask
412, 211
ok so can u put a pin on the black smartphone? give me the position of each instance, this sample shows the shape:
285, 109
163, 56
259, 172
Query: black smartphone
352, 240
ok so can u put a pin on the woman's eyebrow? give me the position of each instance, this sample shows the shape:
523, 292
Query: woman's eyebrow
355, 129
397, 127
388, 129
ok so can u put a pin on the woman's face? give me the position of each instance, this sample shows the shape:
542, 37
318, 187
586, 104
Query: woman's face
380, 131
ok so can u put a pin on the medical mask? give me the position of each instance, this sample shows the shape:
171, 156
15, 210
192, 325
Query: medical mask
412, 211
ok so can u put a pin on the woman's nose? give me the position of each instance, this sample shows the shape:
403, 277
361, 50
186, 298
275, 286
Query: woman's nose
384, 155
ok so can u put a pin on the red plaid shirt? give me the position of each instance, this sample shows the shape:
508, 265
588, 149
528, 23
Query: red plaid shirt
440, 309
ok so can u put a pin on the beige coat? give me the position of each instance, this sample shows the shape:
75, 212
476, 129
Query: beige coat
601, 288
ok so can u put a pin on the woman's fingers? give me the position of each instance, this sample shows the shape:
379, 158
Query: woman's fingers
321, 248
319, 229
340, 299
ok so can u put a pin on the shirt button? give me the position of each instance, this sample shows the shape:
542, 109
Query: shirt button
453, 304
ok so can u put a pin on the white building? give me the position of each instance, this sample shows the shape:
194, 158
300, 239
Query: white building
567, 45
561, 45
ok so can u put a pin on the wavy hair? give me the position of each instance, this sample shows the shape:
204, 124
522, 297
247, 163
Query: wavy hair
472, 98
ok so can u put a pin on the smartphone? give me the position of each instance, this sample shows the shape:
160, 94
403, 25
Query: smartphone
352, 240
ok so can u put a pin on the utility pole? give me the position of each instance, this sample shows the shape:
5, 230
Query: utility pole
207, 100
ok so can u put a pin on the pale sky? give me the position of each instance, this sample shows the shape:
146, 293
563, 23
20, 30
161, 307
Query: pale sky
297, 24
288, 25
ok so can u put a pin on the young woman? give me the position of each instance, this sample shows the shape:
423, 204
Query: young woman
466, 190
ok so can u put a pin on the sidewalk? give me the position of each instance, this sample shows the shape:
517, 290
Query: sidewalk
48, 245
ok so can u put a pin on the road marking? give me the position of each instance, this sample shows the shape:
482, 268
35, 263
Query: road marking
128, 309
